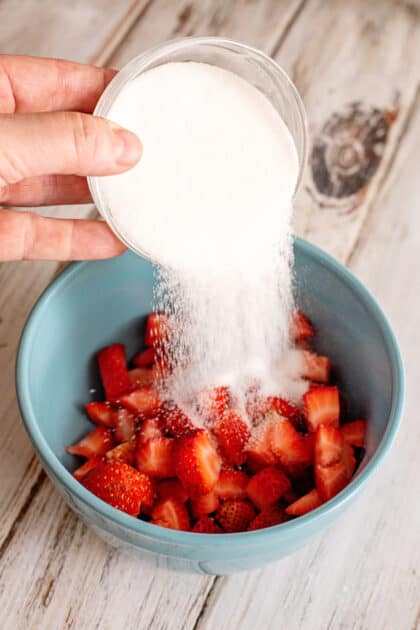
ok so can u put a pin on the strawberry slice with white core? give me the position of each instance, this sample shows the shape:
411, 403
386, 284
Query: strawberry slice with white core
197, 463
315, 367
149, 429
171, 513
143, 402
141, 377
231, 484
155, 457
125, 425
321, 406
354, 433
330, 480
205, 504
329, 445
288, 445
258, 450
97, 442
305, 504
113, 370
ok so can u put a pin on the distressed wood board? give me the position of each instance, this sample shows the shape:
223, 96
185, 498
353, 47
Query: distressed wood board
364, 572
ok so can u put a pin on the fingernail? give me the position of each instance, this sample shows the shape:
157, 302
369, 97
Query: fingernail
127, 147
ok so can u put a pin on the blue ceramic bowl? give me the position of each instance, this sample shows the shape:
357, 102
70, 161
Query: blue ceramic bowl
97, 303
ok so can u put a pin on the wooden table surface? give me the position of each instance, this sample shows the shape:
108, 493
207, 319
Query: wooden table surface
356, 65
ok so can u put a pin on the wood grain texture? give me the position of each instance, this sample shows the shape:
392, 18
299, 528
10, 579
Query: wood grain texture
364, 573
339, 53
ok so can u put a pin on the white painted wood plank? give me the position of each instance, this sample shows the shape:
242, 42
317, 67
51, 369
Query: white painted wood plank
337, 53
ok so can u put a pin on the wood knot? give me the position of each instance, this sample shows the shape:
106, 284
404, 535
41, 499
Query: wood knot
347, 152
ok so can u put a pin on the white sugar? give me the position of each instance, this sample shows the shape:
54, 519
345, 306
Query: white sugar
210, 201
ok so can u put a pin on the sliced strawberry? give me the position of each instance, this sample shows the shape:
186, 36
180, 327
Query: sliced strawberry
354, 433
288, 445
206, 525
232, 435
258, 450
330, 480
143, 402
124, 452
321, 406
268, 517
316, 367
267, 487
213, 403
301, 328
120, 485
204, 504
328, 445
174, 421
231, 484
305, 504
149, 429
234, 515
171, 513
197, 463
282, 407
349, 460
100, 413
145, 358
113, 370
155, 457
141, 377
125, 425
97, 442
157, 329
172, 488
89, 465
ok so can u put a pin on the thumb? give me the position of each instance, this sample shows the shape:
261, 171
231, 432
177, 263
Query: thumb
68, 143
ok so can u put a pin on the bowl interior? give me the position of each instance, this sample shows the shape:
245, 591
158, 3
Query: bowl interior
97, 303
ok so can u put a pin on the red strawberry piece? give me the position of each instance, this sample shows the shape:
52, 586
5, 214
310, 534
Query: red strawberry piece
171, 513
141, 377
100, 413
97, 442
113, 370
316, 367
120, 485
321, 406
205, 504
157, 329
89, 465
213, 403
268, 517
124, 452
232, 435
267, 487
143, 402
328, 445
354, 433
301, 328
125, 425
174, 421
197, 463
231, 484
349, 459
172, 488
235, 515
305, 504
282, 407
206, 525
330, 480
258, 450
155, 457
288, 445
145, 358
149, 429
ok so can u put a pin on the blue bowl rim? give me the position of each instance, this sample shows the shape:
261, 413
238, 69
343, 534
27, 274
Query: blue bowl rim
254, 538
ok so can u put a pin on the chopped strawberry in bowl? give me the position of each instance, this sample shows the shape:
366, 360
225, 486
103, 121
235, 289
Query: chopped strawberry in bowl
248, 485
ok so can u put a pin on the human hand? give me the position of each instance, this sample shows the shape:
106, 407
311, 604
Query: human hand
49, 143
